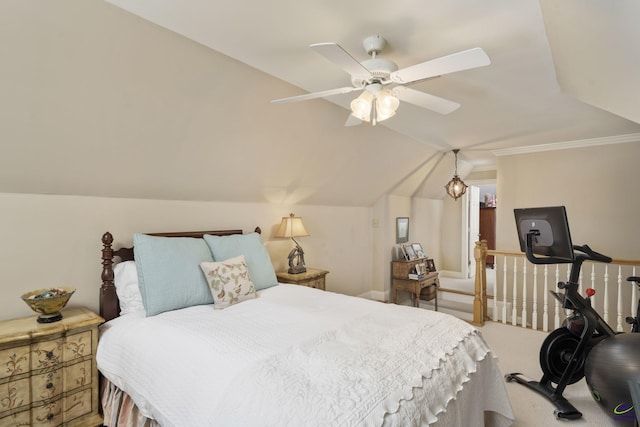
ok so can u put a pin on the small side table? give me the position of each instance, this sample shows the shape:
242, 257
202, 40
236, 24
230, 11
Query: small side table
425, 289
313, 278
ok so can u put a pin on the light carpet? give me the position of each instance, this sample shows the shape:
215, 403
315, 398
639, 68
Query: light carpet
518, 350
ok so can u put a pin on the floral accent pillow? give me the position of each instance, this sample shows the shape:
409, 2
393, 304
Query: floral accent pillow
229, 281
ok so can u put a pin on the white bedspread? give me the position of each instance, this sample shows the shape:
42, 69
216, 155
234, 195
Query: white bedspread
297, 356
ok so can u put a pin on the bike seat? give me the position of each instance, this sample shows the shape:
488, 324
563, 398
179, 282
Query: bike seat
634, 279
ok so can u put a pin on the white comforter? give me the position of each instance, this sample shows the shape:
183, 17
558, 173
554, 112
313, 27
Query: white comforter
296, 356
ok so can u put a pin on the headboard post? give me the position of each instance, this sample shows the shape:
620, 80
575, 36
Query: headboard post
109, 307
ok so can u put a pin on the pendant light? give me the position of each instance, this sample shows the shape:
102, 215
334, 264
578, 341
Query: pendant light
456, 187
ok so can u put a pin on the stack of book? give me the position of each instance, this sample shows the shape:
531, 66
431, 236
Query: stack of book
415, 276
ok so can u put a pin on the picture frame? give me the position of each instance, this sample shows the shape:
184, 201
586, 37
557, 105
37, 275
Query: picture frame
421, 268
402, 229
417, 248
431, 266
410, 254
405, 256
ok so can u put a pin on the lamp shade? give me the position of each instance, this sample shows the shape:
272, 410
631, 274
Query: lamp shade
386, 105
374, 104
291, 226
361, 106
456, 187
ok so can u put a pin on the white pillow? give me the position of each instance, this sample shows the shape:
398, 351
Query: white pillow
125, 277
229, 281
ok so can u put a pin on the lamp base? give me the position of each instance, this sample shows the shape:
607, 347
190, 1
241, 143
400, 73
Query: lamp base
296, 260
297, 269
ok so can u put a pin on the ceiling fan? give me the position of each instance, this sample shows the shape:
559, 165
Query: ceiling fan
377, 103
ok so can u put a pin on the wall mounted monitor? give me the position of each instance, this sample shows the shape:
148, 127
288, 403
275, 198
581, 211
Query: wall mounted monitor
551, 228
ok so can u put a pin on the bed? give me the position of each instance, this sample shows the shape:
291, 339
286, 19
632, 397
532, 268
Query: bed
277, 354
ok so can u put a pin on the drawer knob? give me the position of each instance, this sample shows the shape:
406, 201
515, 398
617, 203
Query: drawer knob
49, 385
50, 416
49, 354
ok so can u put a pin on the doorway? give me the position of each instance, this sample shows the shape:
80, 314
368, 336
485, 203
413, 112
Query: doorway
478, 221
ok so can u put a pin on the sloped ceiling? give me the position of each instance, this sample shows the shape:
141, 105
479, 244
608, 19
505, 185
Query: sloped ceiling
596, 52
170, 99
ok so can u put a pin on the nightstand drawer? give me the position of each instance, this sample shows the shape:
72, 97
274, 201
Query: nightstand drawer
20, 419
46, 354
47, 385
77, 345
316, 283
14, 361
14, 394
313, 278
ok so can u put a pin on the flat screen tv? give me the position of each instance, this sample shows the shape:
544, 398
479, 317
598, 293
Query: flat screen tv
550, 232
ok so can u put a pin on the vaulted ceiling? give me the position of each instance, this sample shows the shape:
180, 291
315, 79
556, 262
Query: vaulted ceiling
170, 99
516, 101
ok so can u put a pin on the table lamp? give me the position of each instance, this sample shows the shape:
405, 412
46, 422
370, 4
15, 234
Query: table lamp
292, 226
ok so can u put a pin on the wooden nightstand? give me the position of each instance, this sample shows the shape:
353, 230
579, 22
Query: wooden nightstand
313, 278
48, 372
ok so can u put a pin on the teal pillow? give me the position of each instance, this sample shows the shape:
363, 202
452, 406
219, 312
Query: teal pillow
255, 253
169, 273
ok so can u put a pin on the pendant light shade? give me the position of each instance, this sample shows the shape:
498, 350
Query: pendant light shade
456, 187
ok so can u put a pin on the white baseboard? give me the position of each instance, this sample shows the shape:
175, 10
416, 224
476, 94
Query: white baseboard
375, 295
453, 274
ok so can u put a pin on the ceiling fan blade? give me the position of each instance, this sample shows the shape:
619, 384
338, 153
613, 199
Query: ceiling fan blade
472, 58
424, 100
352, 121
313, 95
336, 54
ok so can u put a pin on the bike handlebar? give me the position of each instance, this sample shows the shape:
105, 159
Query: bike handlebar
591, 254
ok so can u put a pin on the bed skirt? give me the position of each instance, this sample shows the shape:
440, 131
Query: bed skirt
119, 410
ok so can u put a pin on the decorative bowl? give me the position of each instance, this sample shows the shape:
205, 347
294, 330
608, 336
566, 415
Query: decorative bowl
48, 302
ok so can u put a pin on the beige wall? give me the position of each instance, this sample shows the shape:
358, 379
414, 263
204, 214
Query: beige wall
598, 185
55, 240
450, 250
96, 101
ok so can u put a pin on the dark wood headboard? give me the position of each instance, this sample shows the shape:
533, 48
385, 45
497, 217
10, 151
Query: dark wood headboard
109, 304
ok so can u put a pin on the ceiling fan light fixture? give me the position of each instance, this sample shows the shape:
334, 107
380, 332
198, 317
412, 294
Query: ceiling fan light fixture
361, 106
374, 104
386, 105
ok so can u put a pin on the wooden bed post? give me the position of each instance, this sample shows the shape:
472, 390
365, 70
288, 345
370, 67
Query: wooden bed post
109, 306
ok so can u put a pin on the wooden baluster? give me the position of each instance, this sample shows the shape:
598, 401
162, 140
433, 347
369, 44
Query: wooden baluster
619, 305
593, 285
545, 312
485, 311
524, 293
514, 309
495, 289
606, 294
534, 314
504, 291
634, 296
556, 320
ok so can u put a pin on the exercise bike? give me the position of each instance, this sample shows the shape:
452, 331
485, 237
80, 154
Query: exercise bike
545, 231
564, 351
